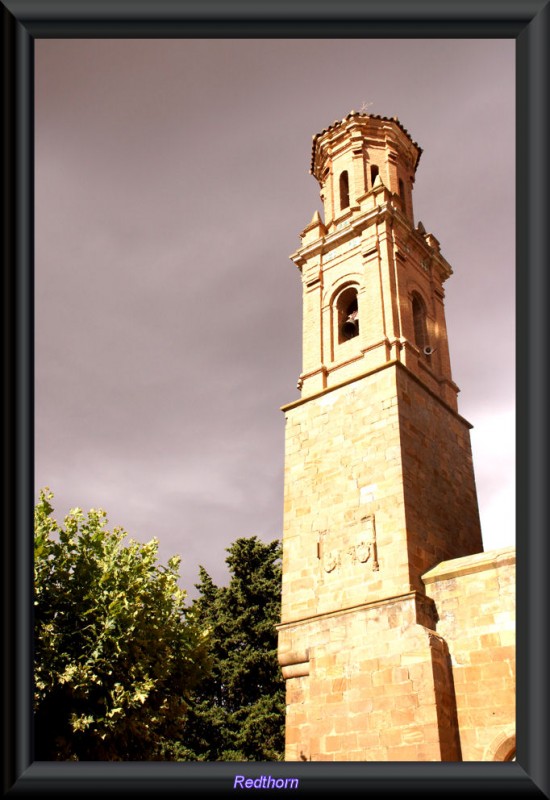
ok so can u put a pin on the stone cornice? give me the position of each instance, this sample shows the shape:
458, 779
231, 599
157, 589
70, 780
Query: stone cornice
399, 598
356, 226
393, 363
360, 222
468, 565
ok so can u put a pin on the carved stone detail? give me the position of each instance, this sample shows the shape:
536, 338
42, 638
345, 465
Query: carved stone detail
338, 551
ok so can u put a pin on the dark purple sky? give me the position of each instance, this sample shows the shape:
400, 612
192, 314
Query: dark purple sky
172, 181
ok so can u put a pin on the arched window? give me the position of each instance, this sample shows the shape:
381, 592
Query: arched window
344, 189
373, 173
419, 322
347, 315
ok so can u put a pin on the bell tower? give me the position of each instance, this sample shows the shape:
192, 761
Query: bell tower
379, 481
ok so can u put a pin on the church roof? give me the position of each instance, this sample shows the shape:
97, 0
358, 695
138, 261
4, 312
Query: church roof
353, 114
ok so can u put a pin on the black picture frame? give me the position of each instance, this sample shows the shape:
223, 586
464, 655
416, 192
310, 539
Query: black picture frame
526, 21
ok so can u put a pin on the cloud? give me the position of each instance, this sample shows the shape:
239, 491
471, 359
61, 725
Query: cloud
171, 185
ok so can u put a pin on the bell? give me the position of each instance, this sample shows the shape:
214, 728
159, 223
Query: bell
350, 328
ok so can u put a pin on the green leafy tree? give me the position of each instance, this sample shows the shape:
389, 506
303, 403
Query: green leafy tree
238, 709
117, 651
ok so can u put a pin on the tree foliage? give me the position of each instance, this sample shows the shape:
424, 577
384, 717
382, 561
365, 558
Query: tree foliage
117, 652
238, 708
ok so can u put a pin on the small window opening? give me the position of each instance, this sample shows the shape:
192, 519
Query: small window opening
348, 315
373, 173
419, 323
344, 190
402, 193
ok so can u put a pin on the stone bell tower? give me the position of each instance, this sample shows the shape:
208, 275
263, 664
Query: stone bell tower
379, 481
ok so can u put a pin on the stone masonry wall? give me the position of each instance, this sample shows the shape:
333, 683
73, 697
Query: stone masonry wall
442, 513
475, 600
344, 524
379, 488
376, 687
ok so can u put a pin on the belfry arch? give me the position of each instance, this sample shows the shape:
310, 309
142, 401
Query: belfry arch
346, 314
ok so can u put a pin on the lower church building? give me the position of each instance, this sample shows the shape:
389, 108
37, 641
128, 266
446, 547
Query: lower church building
397, 634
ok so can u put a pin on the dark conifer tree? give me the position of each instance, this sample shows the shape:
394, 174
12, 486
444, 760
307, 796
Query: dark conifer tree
237, 711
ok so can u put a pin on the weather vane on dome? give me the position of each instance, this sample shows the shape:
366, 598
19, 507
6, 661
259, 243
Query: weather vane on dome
365, 108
